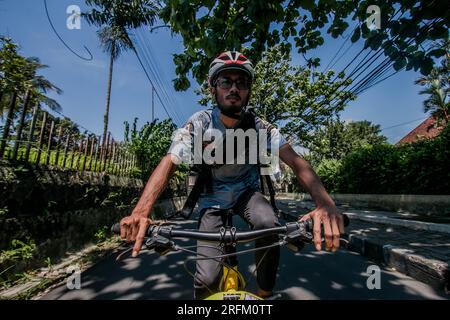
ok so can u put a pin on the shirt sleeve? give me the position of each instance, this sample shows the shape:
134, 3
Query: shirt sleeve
182, 147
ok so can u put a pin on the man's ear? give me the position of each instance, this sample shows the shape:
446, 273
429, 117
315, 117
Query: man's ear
248, 97
212, 90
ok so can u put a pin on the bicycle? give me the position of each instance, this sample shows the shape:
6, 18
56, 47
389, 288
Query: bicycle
232, 286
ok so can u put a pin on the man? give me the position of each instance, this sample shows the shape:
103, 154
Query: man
235, 186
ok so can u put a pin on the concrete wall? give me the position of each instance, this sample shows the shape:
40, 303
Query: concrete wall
61, 210
427, 205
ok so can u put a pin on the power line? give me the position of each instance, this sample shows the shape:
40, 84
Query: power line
149, 69
385, 66
162, 78
158, 75
368, 80
403, 123
152, 65
361, 63
151, 82
63, 42
337, 52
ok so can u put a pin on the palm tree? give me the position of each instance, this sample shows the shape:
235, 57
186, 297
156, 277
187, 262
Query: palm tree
437, 86
114, 18
42, 86
36, 89
19, 77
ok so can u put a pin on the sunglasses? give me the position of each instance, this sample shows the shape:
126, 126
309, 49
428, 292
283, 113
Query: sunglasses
225, 83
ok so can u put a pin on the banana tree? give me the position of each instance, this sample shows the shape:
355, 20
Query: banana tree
148, 144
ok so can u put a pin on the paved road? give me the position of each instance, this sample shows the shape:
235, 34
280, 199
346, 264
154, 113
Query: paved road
306, 275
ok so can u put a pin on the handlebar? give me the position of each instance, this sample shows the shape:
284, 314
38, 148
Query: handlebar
299, 229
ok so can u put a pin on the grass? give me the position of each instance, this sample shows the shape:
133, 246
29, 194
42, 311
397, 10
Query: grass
73, 160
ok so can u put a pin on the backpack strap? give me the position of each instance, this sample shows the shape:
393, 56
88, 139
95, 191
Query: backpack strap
204, 180
252, 122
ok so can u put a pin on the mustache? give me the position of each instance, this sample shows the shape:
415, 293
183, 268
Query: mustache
233, 95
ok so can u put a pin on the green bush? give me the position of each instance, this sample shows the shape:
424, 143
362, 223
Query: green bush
329, 172
371, 169
19, 251
417, 168
425, 166
102, 234
148, 144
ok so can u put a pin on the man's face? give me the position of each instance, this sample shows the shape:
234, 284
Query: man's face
232, 99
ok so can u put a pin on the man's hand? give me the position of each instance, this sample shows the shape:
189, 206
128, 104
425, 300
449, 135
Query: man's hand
333, 226
133, 228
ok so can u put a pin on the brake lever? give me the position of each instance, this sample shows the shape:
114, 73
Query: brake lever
160, 244
295, 240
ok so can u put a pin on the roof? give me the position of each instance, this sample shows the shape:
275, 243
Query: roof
426, 130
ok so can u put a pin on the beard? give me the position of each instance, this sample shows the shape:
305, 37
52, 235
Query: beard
233, 109
228, 108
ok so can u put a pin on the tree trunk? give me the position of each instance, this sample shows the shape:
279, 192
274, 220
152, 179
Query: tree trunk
9, 120
31, 132
108, 99
20, 127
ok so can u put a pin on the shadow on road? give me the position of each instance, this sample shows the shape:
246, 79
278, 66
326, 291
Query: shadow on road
305, 275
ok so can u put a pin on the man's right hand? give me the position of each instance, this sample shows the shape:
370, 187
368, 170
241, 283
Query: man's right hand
133, 228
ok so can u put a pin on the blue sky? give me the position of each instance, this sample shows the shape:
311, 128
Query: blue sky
392, 102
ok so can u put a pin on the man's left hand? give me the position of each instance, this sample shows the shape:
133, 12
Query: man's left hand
333, 226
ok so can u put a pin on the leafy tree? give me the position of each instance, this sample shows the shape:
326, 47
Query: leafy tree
115, 18
437, 86
210, 26
337, 139
331, 144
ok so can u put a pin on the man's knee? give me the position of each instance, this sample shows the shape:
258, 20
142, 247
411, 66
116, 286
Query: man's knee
261, 212
264, 215
265, 221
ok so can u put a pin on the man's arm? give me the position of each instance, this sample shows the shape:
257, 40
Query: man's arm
325, 212
133, 227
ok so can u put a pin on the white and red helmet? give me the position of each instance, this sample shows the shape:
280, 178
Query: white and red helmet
229, 60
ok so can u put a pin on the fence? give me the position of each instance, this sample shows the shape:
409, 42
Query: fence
53, 144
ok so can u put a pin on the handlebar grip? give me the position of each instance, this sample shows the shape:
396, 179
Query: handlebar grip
115, 228
310, 225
